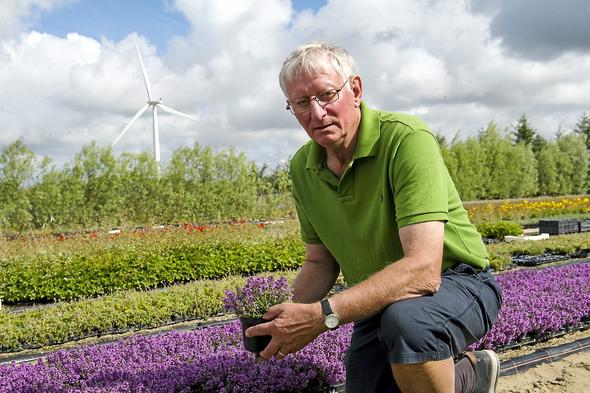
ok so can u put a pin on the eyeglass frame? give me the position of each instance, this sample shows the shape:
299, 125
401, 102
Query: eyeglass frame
316, 99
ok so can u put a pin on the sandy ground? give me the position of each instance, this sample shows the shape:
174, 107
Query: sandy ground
569, 375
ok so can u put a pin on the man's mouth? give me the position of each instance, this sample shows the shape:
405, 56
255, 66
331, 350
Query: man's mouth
322, 127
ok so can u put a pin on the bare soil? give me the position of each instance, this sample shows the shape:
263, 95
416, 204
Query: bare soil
568, 375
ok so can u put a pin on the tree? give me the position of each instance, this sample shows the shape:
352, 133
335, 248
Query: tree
583, 128
96, 169
16, 169
523, 132
46, 196
572, 163
539, 143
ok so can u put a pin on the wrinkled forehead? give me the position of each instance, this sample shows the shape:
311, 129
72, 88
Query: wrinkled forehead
307, 84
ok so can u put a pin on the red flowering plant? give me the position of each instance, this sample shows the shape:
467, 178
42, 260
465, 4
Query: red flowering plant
252, 301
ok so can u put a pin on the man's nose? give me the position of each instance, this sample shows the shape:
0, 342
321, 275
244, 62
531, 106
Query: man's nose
316, 109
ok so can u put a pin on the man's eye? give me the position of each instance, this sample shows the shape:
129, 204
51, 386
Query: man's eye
302, 103
327, 96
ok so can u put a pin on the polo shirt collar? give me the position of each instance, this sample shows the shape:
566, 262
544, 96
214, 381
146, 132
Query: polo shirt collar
366, 144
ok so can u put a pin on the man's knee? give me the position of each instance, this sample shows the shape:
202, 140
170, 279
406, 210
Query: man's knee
406, 328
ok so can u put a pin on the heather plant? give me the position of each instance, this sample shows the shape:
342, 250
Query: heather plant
538, 302
257, 296
205, 360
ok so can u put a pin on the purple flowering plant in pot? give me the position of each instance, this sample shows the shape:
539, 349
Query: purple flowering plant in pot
251, 302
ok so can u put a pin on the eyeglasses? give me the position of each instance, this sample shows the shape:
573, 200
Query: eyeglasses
302, 105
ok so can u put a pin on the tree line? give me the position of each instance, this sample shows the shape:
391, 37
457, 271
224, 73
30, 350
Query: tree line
200, 185
497, 164
99, 190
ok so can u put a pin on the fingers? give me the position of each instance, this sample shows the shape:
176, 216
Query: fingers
272, 349
263, 329
273, 312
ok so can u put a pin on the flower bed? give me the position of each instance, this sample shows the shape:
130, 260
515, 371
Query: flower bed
536, 302
539, 302
204, 360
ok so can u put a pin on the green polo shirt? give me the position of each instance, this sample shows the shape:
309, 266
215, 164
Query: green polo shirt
396, 177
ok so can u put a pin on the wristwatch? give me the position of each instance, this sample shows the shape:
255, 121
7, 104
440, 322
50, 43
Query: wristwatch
331, 319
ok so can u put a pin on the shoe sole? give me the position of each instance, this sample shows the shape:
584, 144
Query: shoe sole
493, 369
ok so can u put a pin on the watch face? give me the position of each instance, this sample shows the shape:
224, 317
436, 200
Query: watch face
332, 321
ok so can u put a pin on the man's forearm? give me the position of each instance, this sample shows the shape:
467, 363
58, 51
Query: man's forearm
314, 281
403, 279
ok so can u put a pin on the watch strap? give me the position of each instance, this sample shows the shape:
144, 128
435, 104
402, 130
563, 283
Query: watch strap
326, 308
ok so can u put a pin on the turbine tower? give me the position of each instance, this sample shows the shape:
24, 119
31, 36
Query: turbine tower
154, 105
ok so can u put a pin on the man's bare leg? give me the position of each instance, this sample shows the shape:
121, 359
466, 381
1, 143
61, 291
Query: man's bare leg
429, 377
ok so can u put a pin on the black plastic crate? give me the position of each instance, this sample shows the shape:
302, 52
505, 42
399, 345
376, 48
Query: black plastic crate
584, 225
558, 227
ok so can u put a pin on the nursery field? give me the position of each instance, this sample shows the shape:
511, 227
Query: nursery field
157, 295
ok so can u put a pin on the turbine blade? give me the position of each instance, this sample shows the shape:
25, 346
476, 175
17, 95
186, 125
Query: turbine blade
148, 88
137, 115
175, 112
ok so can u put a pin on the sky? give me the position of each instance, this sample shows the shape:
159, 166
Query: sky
69, 72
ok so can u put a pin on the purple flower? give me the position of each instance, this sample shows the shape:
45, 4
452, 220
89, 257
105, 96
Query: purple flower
257, 296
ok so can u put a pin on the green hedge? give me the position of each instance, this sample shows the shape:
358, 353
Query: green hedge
47, 277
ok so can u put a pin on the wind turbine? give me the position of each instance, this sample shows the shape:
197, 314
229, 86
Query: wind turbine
154, 105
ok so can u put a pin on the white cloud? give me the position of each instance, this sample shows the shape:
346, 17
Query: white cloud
16, 15
436, 59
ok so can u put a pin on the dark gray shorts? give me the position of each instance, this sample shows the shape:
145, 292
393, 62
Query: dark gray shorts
426, 328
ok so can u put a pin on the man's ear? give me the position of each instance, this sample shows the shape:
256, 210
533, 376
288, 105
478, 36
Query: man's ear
356, 85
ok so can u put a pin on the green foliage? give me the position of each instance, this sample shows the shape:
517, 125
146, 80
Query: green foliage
499, 230
523, 132
466, 164
583, 128
67, 275
573, 164
490, 166
16, 168
500, 253
67, 321
98, 190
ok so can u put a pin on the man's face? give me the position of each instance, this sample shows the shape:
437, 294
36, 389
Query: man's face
334, 125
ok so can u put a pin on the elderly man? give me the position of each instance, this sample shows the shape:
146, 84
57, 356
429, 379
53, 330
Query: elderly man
375, 202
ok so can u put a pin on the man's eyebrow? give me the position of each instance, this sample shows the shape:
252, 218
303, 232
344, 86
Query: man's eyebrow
327, 89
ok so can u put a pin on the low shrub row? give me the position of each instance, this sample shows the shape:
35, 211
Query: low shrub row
212, 359
500, 254
127, 310
499, 230
52, 277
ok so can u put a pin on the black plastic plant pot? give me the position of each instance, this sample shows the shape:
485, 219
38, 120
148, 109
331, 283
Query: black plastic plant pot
257, 343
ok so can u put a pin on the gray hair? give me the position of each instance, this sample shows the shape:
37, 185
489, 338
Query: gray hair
317, 57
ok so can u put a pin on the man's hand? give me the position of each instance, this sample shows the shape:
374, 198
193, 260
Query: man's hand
292, 327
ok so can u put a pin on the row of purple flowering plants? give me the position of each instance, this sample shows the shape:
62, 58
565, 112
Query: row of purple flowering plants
212, 359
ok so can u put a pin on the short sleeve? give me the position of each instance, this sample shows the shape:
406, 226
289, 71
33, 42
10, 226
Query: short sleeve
419, 181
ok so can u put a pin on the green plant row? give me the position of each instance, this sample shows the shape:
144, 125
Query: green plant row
499, 230
52, 277
127, 310
500, 253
